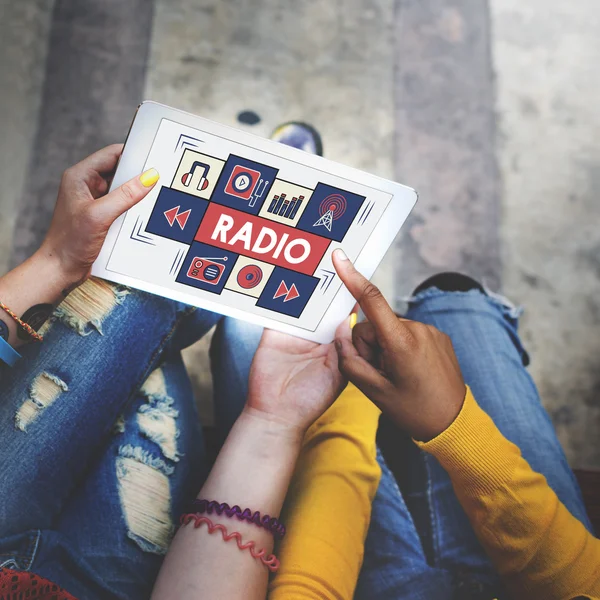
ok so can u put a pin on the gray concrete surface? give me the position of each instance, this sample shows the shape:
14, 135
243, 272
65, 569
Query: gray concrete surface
445, 141
548, 98
24, 28
93, 82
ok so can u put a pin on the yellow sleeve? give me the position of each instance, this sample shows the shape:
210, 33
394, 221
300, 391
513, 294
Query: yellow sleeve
538, 547
328, 507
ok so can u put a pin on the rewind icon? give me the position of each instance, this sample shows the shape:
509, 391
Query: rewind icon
173, 215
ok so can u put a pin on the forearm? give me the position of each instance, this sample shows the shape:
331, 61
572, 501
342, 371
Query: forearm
539, 548
38, 282
252, 470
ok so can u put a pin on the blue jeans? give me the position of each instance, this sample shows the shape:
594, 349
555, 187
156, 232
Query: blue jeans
101, 444
101, 448
420, 543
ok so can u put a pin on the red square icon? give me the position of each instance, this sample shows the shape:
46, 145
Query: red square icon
242, 182
206, 270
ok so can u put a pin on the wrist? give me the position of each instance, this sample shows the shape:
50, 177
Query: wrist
272, 426
65, 276
443, 415
255, 464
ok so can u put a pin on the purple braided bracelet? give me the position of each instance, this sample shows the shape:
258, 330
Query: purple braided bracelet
271, 524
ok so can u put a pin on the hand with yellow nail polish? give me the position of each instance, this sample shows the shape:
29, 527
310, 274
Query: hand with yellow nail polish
84, 212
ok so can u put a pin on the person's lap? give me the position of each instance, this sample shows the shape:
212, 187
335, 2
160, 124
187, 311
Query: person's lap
444, 550
108, 537
61, 400
93, 481
86, 487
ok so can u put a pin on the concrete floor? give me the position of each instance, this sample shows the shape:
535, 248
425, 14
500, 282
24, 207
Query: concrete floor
24, 30
489, 109
548, 94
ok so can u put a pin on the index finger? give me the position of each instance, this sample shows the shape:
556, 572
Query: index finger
368, 296
102, 161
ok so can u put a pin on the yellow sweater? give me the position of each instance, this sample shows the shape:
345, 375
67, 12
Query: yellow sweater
328, 507
537, 546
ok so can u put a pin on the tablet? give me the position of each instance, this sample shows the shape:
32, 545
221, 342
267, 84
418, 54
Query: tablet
244, 226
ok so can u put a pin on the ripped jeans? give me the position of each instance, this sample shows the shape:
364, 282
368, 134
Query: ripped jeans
101, 446
420, 544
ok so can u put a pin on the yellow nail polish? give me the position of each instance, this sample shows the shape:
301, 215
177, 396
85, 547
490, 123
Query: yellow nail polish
149, 177
353, 319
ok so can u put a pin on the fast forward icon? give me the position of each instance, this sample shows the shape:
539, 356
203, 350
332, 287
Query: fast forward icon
289, 292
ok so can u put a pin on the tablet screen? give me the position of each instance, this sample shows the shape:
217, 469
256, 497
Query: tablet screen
247, 227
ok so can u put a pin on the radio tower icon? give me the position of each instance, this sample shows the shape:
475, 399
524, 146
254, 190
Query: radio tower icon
331, 209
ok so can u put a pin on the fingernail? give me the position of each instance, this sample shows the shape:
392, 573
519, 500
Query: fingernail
340, 254
149, 177
338, 345
353, 319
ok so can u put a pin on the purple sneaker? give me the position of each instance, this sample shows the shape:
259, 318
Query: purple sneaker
299, 135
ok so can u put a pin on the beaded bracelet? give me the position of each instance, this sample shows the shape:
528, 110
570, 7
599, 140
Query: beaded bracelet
270, 561
30, 330
271, 524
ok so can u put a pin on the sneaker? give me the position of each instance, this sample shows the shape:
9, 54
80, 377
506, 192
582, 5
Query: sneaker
299, 135
450, 282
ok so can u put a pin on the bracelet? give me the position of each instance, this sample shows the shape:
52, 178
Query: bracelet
271, 561
32, 332
271, 524
7, 353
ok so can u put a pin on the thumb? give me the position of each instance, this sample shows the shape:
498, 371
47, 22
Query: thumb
355, 368
125, 196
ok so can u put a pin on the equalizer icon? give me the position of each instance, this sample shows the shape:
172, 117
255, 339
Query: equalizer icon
284, 207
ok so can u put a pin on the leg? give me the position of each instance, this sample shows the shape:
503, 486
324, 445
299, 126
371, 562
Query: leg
102, 345
111, 535
395, 565
484, 334
232, 350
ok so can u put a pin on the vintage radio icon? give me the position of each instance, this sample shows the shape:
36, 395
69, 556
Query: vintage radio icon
207, 269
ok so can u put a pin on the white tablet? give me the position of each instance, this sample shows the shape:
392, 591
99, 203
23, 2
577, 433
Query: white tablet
244, 226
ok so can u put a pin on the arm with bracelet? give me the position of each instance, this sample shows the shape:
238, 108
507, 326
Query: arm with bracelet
223, 550
82, 216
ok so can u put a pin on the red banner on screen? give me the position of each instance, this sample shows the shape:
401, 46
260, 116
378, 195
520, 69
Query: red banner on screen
262, 239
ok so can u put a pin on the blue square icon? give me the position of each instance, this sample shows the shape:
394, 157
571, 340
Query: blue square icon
244, 184
330, 212
287, 292
206, 267
176, 215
